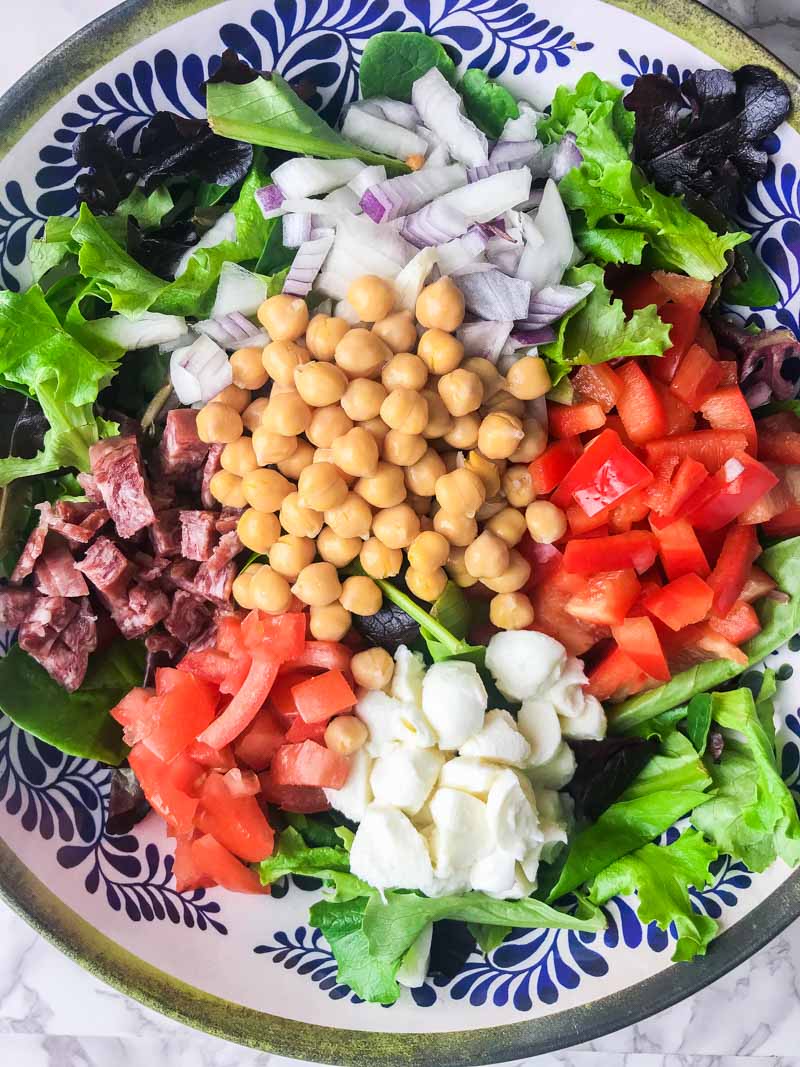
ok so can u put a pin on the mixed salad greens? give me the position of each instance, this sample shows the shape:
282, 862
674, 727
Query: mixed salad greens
572, 511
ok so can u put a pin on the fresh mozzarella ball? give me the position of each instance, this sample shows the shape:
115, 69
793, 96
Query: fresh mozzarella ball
461, 831
554, 814
589, 725
356, 794
388, 853
511, 814
529, 864
567, 692
494, 874
409, 672
522, 662
499, 741
391, 721
404, 778
557, 771
469, 775
413, 968
454, 701
538, 722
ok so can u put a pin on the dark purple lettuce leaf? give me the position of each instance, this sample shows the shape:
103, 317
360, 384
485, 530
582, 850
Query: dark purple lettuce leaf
127, 804
109, 176
160, 251
769, 361
604, 771
235, 70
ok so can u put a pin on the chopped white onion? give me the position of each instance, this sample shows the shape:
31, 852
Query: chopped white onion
396, 111
345, 310
366, 178
200, 371
148, 328
409, 282
307, 265
296, 229
409, 192
438, 156
304, 176
549, 246
486, 199
433, 224
441, 110
344, 199
493, 295
523, 128
238, 290
378, 135
517, 153
224, 229
484, 338
362, 247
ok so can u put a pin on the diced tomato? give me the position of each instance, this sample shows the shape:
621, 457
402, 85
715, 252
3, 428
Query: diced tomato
242, 783
640, 406
284, 635
281, 697
237, 822
641, 291
214, 861
229, 635
300, 730
785, 525
758, 584
179, 714
600, 383
606, 598
778, 446
636, 549
246, 703
174, 805
323, 655
616, 677
683, 322
260, 741
570, 420
737, 485
632, 509
706, 338
680, 418
680, 603
604, 476
239, 669
305, 799
320, 698
639, 640
727, 409
309, 764
780, 422
689, 292
696, 378
215, 759
549, 598
679, 550
739, 549
548, 470
184, 870
730, 372
709, 447
207, 664
133, 708
698, 644
739, 625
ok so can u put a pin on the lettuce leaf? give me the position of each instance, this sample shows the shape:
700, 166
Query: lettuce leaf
329, 862
662, 875
675, 766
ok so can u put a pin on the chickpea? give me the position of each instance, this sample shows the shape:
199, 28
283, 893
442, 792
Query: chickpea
421, 505
344, 734
318, 584
440, 421
461, 391
515, 576
385, 488
404, 371
218, 424
234, 397
284, 317
373, 668
325, 455
440, 351
511, 611
280, 358
441, 305
302, 457
398, 331
500, 435
396, 527
258, 530
326, 425
463, 433
371, 297
337, 550
361, 354
528, 378
287, 414
427, 585
323, 335
487, 372
330, 622
489, 509
378, 428
380, 561
546, 522
270, 591
509, 524
321, 487
242, 586
356, 452
351, 518
406, 410
457, 568
533, 443
265, 489
488, 472
297, 519
428, 551
320, 384
458, 529
503, 401
518, 486
452, 460
487, 556
238, 457
290, 554
361, 596
421, 477
227, 489
362, 399
403, 448
247, 368
461, 492
254, 412
270, 447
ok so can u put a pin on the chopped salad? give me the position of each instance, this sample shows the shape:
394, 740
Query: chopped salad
396, 505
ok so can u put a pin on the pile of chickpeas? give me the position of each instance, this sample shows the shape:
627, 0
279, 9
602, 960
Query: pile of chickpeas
376, 440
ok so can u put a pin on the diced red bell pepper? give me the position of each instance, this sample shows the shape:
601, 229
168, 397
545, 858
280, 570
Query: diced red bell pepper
260, 741
214, 861
679, 550
616, 677
320, 698
737, 485
680, 417
246, 703
659, 491
309, 764
207, 664
727, 409
696, 378
757, 584
186, 874
637, 637
739, 550
212, 758
689, 292
300, 730
173, 804
682, 602
640, 292
709, 447
786, 524
237, 675
237, 822
739, 625
778, 446
636, 549
306, 799
600, 383
242, 783
634, 508
604, 476
584, 467
284, 635
730, 372
550, 598
640, 406
686, 481
683, 322
548, 470
570, 420
706, 338
773, 503
606, 598
322, 655
580, 523
179, 714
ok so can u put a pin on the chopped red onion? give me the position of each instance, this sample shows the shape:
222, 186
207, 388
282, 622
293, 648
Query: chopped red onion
378, 135
564, 157
344, 199
485, 199
233, 331
269, 199
437, 157
200, 371
537, 409
433, 225
296, 229
493, 295
366, 178
503, 255
441, 110
554, 301
516, 153
524, 127
409, 192
460, 252
549, 246
307, 265
541, 335
305, 176
484, 338
486, 170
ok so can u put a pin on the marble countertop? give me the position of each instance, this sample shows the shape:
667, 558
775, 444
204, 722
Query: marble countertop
53, 1014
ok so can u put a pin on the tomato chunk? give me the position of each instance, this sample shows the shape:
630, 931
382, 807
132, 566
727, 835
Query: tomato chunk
739, 625
549, 469
638, 639
683, 322
284, 635
739, 549
323, 655
246, 703
550, 597
214, 861
184, 870
599, 383
155, 777
616, 677
260, 741
680, 603
737, 485
606, 598
305, 799
640, 406
636, 549
237, 822
570, 420
679, 550
727, 409
709, 447
179, 714
689, 292
215, 759
641, 291
207, 664
319, 699
309, 764
300, 730
133, 708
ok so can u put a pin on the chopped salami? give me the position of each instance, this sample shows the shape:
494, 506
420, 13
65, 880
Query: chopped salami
162, 651
229, 519
207, 639
30, 553
16, 605
181, 451
60, 634
47, 619
213, 465
89, 485
80, 634
74, 510
165, 533
56, 574
83, 529
227, 549
181, 574
215, 585
197, 534
105, 566
146, 606
117, 467
188, 617
149, 568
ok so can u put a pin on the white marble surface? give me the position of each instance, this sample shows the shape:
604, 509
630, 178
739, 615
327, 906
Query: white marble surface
53, 1014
